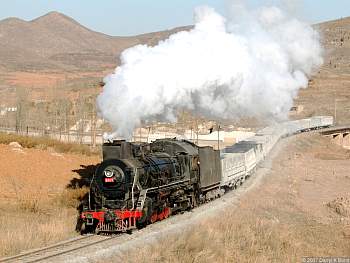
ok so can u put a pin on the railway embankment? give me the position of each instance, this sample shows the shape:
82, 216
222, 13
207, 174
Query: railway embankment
295, 209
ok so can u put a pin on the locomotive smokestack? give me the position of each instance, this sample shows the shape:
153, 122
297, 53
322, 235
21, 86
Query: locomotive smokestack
118, 149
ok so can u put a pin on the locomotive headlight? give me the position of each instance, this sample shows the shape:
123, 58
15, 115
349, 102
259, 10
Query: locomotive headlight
113, 174
108, 173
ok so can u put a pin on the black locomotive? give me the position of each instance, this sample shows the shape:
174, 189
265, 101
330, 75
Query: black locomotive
138, 184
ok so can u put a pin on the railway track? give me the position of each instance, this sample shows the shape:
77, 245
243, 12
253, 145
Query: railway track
58, 249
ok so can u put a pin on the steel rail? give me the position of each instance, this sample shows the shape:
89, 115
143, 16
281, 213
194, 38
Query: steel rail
58, 249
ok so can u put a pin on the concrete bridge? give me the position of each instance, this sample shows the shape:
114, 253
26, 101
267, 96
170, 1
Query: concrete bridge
339, 135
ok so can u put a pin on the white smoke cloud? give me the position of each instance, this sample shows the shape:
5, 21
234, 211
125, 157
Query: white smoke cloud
245, 65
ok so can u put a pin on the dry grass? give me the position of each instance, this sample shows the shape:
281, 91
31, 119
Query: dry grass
37, 205
341, 206
244, 237
46, 143
71, 197
283, 220
33, 229
37, 220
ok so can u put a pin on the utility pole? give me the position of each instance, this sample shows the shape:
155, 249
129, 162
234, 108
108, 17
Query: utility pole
66, 124
140, 132
93, 127
197, 130
335, 111
149, 131
218, 125
335, 108
191, 134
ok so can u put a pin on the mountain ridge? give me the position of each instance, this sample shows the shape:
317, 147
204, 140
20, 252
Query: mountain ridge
56, 41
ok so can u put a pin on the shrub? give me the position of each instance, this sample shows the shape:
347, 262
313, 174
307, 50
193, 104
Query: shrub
46, 143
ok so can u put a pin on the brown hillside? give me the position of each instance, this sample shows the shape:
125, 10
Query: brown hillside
57, 42
56, 50
336, 41
329, 90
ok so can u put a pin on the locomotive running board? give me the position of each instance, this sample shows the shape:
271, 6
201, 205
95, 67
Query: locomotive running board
143, 193
162, 187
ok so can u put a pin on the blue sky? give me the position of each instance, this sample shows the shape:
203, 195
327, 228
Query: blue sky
129, 17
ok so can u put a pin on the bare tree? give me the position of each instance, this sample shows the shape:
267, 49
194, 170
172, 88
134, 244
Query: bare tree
22, 106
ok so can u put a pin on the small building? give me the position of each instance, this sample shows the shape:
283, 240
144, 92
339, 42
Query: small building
295, 110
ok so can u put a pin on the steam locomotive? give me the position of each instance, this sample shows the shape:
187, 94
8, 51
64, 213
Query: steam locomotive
139, 184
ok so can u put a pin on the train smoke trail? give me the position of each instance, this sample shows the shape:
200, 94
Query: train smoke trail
251, 64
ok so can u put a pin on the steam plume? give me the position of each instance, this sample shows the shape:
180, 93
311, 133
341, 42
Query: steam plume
239, 66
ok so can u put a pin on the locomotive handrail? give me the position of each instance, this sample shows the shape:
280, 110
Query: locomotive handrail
142, 199
167, 185
92, 179
132, 188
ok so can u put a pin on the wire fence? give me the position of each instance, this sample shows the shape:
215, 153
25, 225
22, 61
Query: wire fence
92, 137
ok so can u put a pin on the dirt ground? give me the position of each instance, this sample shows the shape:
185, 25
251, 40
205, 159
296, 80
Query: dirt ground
32, 171
38, 196
300, 208
329, 89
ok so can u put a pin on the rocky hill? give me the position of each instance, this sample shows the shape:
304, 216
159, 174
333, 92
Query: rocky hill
56, 41
336, 41
329, 89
